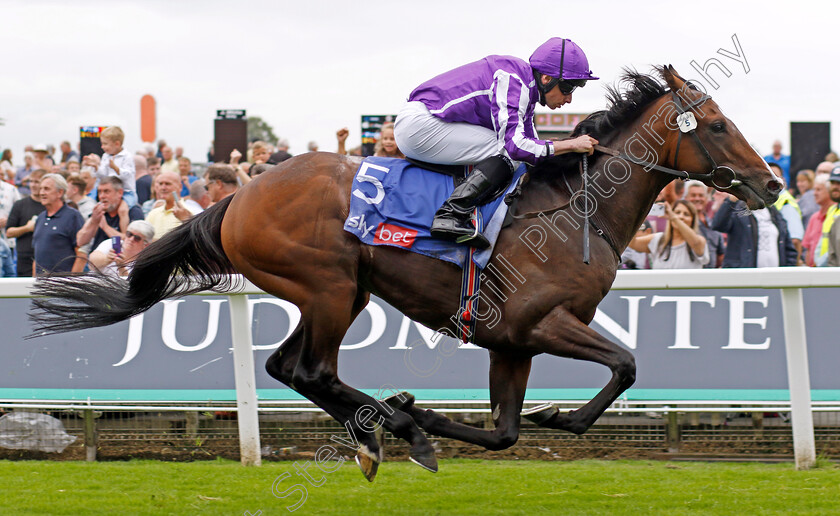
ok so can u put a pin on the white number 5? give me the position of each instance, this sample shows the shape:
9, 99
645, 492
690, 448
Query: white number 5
687, 122
364, 178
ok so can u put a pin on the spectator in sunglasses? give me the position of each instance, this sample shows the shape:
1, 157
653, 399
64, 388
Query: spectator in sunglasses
137, 237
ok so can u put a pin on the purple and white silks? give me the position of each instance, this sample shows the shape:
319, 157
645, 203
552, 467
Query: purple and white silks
498, 93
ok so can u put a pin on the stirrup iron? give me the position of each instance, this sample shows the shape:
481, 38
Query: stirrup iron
467, 238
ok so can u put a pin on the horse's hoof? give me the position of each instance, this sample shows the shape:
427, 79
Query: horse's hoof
427, 461
368, 462
401, 401
541, 414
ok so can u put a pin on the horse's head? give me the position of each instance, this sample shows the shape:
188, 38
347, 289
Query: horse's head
717, 152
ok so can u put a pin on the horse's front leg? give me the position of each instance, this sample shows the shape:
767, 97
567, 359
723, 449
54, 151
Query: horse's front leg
564, 335
508, 381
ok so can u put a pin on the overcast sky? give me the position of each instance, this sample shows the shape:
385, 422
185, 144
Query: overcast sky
309, 68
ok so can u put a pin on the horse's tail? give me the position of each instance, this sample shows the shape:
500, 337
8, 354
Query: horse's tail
186, 260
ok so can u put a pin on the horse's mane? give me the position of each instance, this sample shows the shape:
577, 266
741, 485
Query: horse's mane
625, 104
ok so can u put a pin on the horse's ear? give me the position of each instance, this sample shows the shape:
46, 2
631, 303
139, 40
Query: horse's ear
672, 78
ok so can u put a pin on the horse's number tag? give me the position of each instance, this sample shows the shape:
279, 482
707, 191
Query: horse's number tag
687, 122
364, 177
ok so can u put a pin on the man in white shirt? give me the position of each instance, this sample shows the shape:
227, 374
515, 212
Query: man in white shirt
199, 197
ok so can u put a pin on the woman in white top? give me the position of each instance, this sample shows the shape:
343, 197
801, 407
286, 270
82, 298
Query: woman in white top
681, 246
138, 236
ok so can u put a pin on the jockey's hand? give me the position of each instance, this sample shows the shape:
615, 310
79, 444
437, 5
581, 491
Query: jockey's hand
584, 143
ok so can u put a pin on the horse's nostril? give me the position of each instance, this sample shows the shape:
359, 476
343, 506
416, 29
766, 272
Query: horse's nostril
775, 186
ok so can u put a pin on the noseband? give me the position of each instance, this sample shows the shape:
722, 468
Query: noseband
688, 125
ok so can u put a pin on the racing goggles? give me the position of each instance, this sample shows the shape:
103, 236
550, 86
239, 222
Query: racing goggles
569, 85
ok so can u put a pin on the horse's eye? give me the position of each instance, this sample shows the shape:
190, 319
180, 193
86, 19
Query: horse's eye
718, 127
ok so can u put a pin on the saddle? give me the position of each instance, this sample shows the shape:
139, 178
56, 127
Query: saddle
456, 171
460, 172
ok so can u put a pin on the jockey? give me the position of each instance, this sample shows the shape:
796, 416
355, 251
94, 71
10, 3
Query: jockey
482, 113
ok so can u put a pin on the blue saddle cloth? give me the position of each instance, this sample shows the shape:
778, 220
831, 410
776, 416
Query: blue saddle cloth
393, 203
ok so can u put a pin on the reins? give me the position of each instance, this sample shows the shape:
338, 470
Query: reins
584, 168
688, 125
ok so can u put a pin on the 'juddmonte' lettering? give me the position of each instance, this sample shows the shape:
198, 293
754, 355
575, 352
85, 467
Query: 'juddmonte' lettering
683, 312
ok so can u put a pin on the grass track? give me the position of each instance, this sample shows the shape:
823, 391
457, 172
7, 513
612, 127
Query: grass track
460, 487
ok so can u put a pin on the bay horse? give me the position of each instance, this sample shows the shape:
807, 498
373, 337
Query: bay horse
284, 232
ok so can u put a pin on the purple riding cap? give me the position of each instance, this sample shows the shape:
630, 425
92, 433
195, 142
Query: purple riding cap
500, 93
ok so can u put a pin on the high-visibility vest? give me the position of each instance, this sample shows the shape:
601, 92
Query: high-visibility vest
832, 213
786, 198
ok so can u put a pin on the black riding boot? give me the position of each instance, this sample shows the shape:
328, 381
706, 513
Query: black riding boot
453, 220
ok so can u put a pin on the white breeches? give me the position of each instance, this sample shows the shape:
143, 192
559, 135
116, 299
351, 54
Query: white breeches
421, 135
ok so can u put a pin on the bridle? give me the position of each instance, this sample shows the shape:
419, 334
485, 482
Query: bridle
688, 125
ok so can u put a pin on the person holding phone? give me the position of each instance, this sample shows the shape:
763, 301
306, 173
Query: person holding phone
114, 256
632, 259
171, 212
680, 246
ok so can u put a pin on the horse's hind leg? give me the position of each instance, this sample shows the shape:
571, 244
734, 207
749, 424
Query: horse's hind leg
281, 364
564, 335
313, 361
508, 381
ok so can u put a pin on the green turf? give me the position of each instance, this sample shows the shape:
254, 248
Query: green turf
460, 487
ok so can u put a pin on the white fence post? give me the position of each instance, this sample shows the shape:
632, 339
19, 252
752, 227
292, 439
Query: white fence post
246, 386
799, 380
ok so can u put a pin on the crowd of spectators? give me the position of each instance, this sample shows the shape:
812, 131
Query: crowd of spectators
63, 212
798, 230
695, 226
